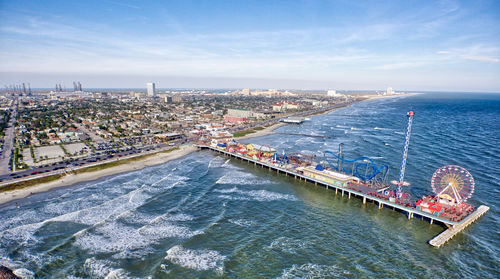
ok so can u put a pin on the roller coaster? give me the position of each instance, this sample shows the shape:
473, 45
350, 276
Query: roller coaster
363, 167
371, 172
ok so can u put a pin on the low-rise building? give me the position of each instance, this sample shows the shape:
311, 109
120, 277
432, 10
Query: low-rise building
234, 119
285, 105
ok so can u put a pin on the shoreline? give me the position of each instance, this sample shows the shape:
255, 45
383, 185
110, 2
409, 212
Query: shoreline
156, 159
72, 179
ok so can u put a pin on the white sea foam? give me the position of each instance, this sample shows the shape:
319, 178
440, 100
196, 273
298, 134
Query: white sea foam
242, 222
172, 217
16, 267
23, 235
167, 182
179, 183
225, 191
258, 195
378, 128
128, 242
242, 178
228, 197
102, 269
202, 259
227, 164
310, 270
215, 162
24, 273
288, 245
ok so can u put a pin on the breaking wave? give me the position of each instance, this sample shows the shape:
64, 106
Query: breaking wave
202, 259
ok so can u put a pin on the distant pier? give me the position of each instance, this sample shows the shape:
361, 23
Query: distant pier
454, 227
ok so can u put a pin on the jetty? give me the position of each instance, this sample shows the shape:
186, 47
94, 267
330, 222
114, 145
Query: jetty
367, 194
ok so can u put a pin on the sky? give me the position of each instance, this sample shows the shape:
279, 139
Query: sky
344, 45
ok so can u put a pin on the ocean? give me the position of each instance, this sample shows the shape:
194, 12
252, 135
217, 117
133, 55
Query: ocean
207, 216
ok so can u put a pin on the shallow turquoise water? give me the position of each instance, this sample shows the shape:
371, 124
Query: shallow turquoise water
207, 216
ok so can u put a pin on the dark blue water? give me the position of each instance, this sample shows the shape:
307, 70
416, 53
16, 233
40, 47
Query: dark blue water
207, 216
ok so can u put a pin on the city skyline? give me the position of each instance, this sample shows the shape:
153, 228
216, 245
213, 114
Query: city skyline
442, 46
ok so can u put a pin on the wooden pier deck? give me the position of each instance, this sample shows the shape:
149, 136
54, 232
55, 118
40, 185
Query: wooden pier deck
452, 231
409, 211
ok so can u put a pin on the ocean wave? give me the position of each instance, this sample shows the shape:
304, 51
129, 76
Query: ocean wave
202, 259
311, 270
257, 195
288, 245
96, 268
242, 222
128, 242
242, 178
24, 273
216, 162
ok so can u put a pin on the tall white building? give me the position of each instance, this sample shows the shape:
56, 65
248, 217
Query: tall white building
331, 93
389, 91
151, 89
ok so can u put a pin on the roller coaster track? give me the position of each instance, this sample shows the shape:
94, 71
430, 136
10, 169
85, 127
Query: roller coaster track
361, 162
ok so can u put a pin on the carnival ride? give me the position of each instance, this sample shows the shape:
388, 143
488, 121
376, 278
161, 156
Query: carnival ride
452, 185
363, 167
401, 182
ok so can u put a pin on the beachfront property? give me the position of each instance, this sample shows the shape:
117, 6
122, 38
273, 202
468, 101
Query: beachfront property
109, 122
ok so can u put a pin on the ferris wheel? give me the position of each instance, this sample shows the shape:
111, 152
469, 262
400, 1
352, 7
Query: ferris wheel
452, 183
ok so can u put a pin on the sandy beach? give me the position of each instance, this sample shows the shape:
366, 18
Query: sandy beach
71, 179
267, 131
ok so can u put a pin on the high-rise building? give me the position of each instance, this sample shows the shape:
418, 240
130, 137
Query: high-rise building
331, 93
151, 89
389, 91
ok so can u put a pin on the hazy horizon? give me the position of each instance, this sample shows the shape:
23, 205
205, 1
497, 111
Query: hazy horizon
316, 45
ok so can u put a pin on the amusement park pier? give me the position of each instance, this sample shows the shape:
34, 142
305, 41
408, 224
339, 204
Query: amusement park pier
453, 185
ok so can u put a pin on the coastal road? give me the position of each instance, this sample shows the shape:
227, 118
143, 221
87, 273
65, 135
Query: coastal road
5, 158
101, 157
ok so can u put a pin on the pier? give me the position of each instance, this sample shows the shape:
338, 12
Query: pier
443, 237
368, 195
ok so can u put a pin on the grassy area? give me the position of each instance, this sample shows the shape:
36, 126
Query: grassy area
16, 157
32, 151
28, 183
243, 133
259, 128
64, 149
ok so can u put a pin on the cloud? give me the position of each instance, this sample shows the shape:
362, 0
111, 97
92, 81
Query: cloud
123, 4
481, 53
